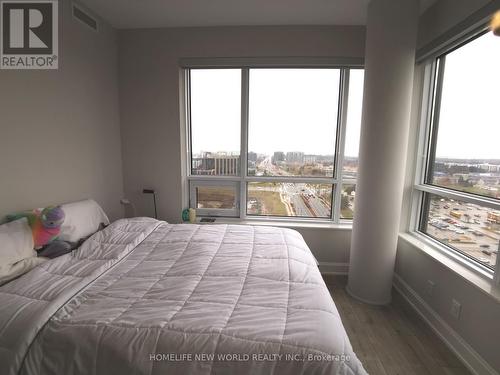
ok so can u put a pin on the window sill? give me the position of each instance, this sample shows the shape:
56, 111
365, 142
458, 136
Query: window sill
281, 223
476, 276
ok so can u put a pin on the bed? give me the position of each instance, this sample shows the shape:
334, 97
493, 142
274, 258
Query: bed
147, 297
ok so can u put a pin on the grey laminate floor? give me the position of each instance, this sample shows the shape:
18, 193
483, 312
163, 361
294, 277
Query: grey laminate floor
392, 339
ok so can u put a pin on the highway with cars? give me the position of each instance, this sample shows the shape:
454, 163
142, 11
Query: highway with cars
302, 198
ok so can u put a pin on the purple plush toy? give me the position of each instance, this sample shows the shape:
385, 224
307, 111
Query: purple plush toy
48, 225
45, 224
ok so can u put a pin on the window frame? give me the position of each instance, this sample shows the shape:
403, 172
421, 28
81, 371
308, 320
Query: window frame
427, 135
336, 181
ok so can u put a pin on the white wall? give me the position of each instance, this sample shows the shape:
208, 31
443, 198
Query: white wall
149, 98
478, 324
59, 130
330, 247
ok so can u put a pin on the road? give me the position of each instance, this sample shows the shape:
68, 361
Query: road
266, 165
316, 203
293, 194
302, 197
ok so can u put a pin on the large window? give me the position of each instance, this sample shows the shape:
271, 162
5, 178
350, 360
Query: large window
292, 121
215, 121
460, 180
274, 142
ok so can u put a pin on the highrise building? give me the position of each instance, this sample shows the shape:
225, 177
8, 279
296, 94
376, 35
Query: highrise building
295, 157
279, 156
219, 164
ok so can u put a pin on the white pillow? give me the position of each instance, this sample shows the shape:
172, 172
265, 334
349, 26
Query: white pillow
11, 271
83, 218
16, 242
16, 246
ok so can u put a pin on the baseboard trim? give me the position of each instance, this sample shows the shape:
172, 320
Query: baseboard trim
367, 301
333, 268
471, 359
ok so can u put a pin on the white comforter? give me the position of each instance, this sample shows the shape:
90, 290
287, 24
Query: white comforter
147, 297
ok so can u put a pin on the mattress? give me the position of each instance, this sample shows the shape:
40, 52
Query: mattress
146, 297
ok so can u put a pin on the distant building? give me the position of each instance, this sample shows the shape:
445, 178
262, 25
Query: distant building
327, 159
310, 159
252, 156
295, 157
219, 164
278, 156
489, 167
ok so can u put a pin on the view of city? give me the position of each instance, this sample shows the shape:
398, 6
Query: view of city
469, 228
480, 177
276, 198
287, 199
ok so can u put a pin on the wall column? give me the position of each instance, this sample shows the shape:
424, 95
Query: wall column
389, 66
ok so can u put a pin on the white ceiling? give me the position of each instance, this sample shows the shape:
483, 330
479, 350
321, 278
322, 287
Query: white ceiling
125, 14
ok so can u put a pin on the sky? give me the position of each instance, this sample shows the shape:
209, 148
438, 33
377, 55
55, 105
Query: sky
469, 123
296, 109
215, 109
354, 107
289, 110
293, 110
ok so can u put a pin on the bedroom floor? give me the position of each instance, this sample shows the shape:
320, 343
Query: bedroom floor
392, 340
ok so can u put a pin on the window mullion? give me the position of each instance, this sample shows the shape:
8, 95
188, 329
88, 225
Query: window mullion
435, 113
244, 141
214, 178
340, 146
293, 180
460, 195
496, 275
187, 117
431, 134
424, 133
421, 155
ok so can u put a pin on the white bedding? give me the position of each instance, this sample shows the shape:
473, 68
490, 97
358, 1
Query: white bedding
147, 297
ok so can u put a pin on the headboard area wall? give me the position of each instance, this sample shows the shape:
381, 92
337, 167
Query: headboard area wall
59, 129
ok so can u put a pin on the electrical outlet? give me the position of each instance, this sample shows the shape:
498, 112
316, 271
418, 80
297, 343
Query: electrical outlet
456, 309
429, 290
